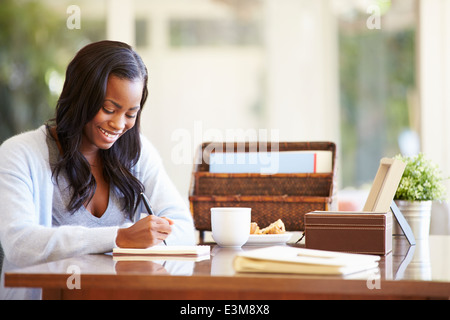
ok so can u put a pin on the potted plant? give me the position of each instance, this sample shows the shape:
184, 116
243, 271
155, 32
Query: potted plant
420, 185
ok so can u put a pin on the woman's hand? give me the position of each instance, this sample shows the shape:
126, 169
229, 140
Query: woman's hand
146, 232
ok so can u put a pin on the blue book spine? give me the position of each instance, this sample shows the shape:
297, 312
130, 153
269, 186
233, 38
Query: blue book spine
262, 162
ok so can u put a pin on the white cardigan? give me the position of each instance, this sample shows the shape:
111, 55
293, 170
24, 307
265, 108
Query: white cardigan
26, 190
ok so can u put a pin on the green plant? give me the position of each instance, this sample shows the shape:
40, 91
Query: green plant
421, 180
34, 44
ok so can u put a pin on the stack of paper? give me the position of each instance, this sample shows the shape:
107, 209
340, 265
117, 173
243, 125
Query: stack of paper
282, 259
163, 253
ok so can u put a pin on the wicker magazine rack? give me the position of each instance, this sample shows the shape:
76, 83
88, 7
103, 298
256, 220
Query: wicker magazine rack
286, 196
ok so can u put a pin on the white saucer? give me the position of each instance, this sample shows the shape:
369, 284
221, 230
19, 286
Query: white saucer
268, 239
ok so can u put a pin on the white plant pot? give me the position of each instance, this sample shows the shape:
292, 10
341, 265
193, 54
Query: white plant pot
418, 216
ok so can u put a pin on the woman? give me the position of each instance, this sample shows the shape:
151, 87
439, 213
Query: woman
72, 186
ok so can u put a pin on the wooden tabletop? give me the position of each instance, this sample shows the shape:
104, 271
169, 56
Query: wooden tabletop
417, 272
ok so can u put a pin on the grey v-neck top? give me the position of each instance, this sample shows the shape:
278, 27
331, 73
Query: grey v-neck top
113, 216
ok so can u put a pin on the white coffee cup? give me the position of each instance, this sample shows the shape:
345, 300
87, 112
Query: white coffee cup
230, 226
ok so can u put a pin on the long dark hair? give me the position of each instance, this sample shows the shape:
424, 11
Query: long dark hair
82, 97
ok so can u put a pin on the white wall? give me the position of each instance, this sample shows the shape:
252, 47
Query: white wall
302, 76
201, 93
120, 21
434, 53
195, 91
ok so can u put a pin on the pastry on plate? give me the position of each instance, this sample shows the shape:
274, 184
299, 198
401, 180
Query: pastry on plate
276, 227
254, 229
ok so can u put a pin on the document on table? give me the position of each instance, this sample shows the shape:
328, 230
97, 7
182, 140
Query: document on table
282, 259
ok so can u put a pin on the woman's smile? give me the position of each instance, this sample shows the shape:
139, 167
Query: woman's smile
110, 136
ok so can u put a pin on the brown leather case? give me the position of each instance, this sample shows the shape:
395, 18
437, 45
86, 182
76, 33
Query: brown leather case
354, 232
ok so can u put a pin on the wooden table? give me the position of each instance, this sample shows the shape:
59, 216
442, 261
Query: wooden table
418, 272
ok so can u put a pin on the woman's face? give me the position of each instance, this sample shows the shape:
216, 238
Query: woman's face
117, 114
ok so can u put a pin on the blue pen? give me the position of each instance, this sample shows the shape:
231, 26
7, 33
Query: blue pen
148, 207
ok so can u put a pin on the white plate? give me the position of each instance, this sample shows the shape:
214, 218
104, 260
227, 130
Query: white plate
268, 239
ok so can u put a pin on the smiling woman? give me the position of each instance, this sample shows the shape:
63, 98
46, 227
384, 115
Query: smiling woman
72, 186
100, 73
114, 119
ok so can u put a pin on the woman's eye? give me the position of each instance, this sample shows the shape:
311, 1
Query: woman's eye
108, 110
131, 116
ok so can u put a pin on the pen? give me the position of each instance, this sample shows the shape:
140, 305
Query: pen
148, 207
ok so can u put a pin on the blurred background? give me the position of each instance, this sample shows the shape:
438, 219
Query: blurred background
370, 75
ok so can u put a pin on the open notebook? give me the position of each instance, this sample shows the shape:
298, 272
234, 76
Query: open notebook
162, 252
284, 259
